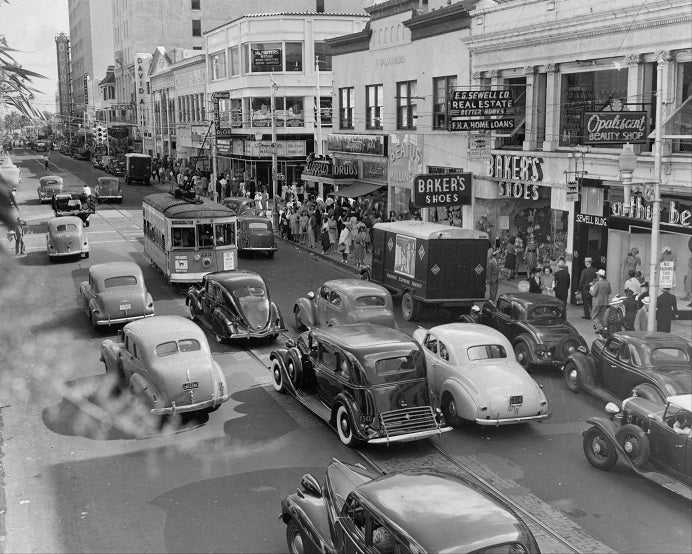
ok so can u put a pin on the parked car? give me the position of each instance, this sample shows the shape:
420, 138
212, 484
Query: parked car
66, 149
41, 146
75, 204
108, 189
66, 237
416, 510
167, 363
234, 305
48, 186
474, 376
535, 324
82, 154
105, 162
367, 381
115, 293
241, 205
345, 301
644, 435
256, 234
116, 167
654, 365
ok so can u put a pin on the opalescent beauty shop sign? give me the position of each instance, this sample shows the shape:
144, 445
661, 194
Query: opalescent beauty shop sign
441, 189
475, 110
615, 127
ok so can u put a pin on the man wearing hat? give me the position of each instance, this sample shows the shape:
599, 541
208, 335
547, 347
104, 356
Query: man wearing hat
600, 292
641, 320
666, 310
587, 277
615, 315
493, 275
562, 281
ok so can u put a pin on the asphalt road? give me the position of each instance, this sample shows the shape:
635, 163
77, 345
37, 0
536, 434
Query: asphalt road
76, 481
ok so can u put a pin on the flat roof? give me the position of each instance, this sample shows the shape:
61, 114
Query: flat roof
427, 230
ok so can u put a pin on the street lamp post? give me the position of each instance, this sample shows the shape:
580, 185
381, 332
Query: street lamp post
627, 163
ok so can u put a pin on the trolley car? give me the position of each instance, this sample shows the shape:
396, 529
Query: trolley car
186, 239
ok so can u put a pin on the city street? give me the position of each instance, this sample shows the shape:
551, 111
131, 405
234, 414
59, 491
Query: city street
76, 479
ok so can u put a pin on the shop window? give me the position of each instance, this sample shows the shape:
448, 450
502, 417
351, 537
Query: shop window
196, 27
406, 107
588, 91
234, 61
374, 98
236, 113
592, 201
294, 56
295, 116
441, 90
346, 101
323, 53
515, 139
261, 111
217, 66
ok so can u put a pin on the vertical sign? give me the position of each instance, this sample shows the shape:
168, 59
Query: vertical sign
666, 275
86, 89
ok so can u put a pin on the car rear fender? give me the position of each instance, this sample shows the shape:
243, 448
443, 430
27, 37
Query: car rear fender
193, 297
110, 354
306, 309
585, 366
466, 403
353, 410
531, 342
141, 387
221, 322
280, 354
276, 314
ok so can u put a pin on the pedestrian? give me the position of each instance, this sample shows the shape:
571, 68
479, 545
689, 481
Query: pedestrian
19, 247
641, 320
359, 245
265, 201
344, 243
614, 316
548, 282
666, 310
643, 294
535, 280
294, 222
531, 253
600, 292
587, 276
324, 235
633, 283
304, 219
312, 226
493, 276
511, 258
210, 189
86, 190
161, 174
45, 162
631, 307
562, 282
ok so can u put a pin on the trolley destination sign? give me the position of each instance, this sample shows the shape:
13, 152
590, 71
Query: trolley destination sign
474, 110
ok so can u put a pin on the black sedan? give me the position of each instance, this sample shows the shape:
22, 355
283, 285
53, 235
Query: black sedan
420, 510
535, 324
234, 305
653, 365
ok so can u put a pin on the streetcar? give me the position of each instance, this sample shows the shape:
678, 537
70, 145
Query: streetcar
188, 238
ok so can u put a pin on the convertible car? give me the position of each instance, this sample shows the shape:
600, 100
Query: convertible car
66, 238
535, 324
235, 305
366, 381
474, 376
345, 301
653, 365
115, 293
48, 186
417, 510
652, 439
166, 362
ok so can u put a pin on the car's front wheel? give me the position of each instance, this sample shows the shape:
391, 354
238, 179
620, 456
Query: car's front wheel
344, 427
635, 443
449, 410
191, 311
571, 374
278, 377
599, 449
294, 539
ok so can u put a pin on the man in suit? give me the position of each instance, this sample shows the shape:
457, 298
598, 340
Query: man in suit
667, 309
587, 277
562, 281
535, 280
493, 273
600, 291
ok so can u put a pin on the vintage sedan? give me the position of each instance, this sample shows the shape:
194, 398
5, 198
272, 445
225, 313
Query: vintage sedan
474, 376
367, 381
235, 305
652, 439
240, 205
535, 324
654, 365
342, 301
416, 510
108, 189
165, 361
49, 186
256, 235
66, 238
115, 293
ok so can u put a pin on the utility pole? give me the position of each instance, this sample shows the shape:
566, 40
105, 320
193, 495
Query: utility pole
275, 170
318, 111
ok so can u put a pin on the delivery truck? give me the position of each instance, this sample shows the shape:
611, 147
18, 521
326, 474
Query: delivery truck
137, 169
429, 264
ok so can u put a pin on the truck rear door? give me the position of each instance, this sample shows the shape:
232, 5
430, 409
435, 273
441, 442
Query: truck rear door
456, 268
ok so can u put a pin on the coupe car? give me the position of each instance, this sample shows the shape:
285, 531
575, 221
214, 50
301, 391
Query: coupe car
535, 324
66, 238
342, 301
256, 235
652, 439
165, 361
367, 381
411, 511
49, 186
235, 305
654, 365
115, 293
108, 189
475, 377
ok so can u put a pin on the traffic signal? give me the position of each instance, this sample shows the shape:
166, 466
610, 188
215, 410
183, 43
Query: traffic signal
101, 134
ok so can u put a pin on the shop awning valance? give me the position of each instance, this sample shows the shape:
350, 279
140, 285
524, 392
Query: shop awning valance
326, 180
357, 189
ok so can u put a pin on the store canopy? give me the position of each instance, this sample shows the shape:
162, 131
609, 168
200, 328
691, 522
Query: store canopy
357, 189
326, 180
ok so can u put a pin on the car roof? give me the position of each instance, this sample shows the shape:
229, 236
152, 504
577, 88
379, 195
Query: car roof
364, 337
114, 269
469, 334
427, 230
65, 219
653, 339
107, 179
48, 178
233, 279
356, 286
251, 218
532, 298
440, 511
161, 328
682, 400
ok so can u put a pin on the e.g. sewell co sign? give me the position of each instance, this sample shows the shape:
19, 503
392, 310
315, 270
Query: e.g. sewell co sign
615, 127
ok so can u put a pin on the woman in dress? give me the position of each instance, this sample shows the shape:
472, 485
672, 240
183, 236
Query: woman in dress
345, 243
331, 223
325, 239
531, 253
294, 221
511, 258
548, 282
303, 226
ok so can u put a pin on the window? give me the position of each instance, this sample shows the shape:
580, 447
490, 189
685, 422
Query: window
444, 352
679, 123
374, 98
205, 235
516, 137
294, 112
346, 101
183, 237
294, 56
668, 355
325, 115
441, 88
327, 355
195, 4
171, 347
234, 60
266, 57
120, 281
261, 111
613, 347
370, 302
486, 352
406, 108
217, 66
323, 55
335, 299
430, 343
324, 294
196, 27
225, 234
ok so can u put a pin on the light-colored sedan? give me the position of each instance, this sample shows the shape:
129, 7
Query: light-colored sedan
66, 237
166, 362
115, 293
475, 377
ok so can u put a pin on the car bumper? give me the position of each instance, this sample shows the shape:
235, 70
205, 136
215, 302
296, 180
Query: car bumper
509, 420
118, 320
410, 436
171, 410
251, 334
70, 253
257, 248
187, 277
109, 197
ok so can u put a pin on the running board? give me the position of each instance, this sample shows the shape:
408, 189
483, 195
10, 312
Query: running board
314, 404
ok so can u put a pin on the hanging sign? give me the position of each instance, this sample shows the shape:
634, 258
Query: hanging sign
472, 110
615, 127
441, 189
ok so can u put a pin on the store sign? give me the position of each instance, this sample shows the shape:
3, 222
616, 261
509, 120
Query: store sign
507, 167
591, 220
479, 146
441, 189
666, 275
86, 89
472, 110
520, 191
672, 213
325, 168
375, 171
405, 159
266, 60
357, 144
572, 191
615, 127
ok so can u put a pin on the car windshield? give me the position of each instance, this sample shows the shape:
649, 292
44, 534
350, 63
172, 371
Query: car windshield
409, 365
486, 352
66, 227
371, 301
244, 292
171, 347
664, 355
258, 225
546, 313
120, 281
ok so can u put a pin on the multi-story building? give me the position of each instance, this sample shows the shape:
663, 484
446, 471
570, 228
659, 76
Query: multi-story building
62, 48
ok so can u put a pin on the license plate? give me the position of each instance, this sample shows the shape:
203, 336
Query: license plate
191, 385
516, 400
125, 306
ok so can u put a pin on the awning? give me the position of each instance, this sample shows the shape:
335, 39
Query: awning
326, 180
357, 189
